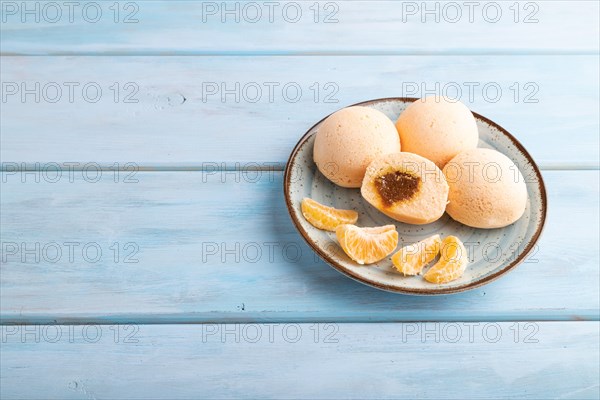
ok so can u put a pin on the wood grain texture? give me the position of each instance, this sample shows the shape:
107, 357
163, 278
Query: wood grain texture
215, 246
358, 361
177, 122
201, 27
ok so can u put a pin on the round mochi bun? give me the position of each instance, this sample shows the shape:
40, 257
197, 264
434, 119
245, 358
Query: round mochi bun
487, 190
349, 139
437, 128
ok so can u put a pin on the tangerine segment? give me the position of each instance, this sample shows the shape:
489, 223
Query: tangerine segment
411, 259
367, 245
452, 263
328, 218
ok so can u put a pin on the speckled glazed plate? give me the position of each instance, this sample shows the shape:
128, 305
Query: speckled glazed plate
492, 252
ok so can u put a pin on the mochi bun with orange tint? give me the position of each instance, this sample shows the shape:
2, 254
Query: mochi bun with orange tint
349, 139
487, 190
406, 187
437, 129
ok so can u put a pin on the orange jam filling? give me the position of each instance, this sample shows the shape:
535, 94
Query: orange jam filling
397, 186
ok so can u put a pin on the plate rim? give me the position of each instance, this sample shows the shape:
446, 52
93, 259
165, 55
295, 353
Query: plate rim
425, 292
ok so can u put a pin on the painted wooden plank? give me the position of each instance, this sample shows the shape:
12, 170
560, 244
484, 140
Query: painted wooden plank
219, 246
187, 110
297, 361
287, 27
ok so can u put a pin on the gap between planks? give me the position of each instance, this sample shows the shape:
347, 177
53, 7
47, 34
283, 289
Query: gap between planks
312, 53
169, 319
211, 166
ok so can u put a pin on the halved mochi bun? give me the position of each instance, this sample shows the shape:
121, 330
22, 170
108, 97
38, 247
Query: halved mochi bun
406, 187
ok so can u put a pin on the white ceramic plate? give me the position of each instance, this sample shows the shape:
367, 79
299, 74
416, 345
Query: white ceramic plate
492, 252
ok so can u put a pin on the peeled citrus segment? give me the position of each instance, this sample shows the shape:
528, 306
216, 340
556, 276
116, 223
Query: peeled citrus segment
411, 259
452, 263
367, 245
324, 217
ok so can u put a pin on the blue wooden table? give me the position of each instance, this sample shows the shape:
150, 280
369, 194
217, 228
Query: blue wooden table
146, 248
